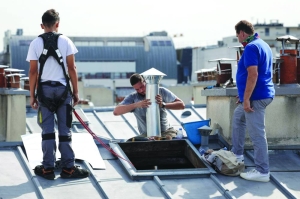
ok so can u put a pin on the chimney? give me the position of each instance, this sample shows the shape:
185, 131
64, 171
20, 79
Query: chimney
2, 76
152, 78
12, 105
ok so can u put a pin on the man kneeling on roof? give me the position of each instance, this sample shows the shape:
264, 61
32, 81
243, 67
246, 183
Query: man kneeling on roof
137, 103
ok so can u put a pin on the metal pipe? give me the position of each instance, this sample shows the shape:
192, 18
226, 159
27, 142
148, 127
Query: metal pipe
152, 78
205, 132
152, 114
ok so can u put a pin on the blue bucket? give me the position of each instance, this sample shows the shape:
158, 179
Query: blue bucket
191, 129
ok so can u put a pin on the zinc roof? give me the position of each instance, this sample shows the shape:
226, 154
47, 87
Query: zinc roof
17, 179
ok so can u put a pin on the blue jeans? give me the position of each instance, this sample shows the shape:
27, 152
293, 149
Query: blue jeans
255, 124
46, 120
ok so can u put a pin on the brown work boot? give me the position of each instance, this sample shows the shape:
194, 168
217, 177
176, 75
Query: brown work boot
74, 172
45, 173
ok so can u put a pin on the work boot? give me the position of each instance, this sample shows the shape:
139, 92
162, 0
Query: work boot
45, 173
74, 172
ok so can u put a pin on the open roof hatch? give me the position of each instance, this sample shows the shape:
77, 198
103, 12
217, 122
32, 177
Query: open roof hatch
165, 158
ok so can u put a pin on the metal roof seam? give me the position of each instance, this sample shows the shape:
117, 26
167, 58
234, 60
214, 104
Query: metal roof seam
35, 182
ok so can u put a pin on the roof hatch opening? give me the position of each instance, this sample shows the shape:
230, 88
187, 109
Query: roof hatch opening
161, 158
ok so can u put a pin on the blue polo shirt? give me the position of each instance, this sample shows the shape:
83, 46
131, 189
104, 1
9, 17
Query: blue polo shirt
256, 53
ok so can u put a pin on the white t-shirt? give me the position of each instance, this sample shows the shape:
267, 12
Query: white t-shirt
52, 70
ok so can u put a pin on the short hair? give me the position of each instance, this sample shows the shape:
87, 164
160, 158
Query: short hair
136, 78
50, 17
245, 26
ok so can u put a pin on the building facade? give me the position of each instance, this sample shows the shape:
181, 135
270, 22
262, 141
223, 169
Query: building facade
106, 61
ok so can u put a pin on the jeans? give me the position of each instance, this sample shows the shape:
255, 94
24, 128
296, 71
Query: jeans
255, 124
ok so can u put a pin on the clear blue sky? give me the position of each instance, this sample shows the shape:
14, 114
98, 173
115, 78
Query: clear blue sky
200, 22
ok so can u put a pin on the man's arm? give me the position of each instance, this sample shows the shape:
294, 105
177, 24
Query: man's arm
33, 76
73, 77
178, 104
250, 85
122, 109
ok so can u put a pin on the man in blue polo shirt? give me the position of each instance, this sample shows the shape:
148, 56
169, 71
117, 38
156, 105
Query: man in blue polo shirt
255, 91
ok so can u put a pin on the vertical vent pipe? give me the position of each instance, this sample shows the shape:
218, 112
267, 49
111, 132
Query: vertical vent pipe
152, 78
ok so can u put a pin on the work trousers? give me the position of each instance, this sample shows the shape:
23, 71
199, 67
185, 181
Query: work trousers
254, 122
46, 120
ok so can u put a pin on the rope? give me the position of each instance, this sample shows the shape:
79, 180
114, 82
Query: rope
95, 137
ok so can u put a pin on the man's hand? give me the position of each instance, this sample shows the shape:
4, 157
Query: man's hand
159, 100
144, 103
238, 99
34, 103
75, 99
247, 106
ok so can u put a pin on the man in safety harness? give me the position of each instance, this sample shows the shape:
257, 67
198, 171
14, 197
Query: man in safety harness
51, 57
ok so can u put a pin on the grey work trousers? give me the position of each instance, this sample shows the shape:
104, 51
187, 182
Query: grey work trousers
255, 124
46, 120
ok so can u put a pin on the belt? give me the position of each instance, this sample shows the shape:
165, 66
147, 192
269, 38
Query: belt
52, 83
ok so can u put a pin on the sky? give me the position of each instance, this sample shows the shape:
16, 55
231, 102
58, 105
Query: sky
199, 22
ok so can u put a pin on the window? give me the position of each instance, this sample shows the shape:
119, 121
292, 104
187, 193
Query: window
128, 75
168, 43
287, 31
267, 32
81, 43
90, 76
107, 75
104, 76
96, 43
79, 75
89, 43
139, 43
162, 43
128, 43
120, 75
24, 42
154, 43
114, 43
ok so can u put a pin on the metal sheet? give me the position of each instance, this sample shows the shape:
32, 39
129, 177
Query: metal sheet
14, 182
82, 143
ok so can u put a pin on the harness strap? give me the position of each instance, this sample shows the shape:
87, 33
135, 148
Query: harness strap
50, 49
48, 136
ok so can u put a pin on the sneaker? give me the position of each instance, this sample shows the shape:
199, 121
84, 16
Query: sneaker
45, 173
255, 175
240, 158
74, 172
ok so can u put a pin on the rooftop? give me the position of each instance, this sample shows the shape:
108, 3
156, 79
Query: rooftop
109, 178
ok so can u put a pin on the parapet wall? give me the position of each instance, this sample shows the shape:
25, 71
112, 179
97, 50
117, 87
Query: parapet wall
282, 115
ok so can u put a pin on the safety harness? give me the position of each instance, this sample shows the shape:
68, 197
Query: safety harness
51, 49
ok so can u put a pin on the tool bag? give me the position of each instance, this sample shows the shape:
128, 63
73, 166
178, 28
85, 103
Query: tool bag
224, 162
51, 49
